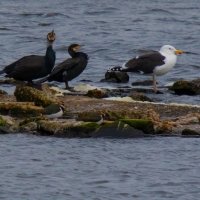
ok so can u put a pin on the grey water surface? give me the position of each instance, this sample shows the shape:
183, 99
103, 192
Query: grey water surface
34, 167
113, 31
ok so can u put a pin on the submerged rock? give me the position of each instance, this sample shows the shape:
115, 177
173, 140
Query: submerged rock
117, 77
140, 97
40, 98
186, 87
144, 83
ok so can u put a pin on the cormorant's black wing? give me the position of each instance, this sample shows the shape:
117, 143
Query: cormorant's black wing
65, 65
145, 63
26, 67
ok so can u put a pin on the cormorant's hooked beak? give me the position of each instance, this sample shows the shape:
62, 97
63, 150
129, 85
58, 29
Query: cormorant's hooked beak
178, 52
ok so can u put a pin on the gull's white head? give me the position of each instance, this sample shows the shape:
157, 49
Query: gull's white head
170, 50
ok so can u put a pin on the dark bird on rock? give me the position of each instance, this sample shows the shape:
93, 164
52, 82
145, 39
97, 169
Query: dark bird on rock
53, 111
70, 68
33, 67
155, 64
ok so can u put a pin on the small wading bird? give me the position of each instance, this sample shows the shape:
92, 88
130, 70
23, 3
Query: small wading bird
154, 64
70, 68
33, 67
53, 111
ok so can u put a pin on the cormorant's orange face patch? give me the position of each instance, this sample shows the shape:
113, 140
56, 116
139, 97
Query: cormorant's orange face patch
76, 48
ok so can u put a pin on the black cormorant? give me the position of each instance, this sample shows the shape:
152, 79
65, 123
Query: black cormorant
70, 68
155, 64
33, 66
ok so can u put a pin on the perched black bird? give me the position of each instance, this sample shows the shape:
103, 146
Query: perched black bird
154, 64
53, 111
70, 68
33, 66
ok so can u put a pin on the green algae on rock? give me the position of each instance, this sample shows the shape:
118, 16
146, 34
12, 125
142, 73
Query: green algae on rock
146, 126
40, 98
118, 130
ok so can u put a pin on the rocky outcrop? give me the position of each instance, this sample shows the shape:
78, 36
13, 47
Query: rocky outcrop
40, 98
186, 87
11, 81
8, 125
96, 94
67, 128
18, 108
118, 130
177, 125
116, 115
189, 132
116, 77
146, 126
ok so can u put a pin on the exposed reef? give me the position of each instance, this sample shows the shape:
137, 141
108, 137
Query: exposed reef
137, 118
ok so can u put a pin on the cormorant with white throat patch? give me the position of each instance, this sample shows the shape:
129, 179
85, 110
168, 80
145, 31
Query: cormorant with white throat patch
33, 67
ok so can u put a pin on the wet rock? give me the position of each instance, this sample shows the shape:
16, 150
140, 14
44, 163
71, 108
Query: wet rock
31, 126
135, 114
3, 92
40, 98
90, 116
8, 125
96, 94
140, 97
144, 83
165, 127
175, 126
116, 115
18, 108
118, 130
186, 87
11, 81
119, 77
146, 126
67, 128
190, 132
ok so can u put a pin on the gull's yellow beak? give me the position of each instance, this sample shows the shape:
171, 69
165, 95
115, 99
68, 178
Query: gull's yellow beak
178, 52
